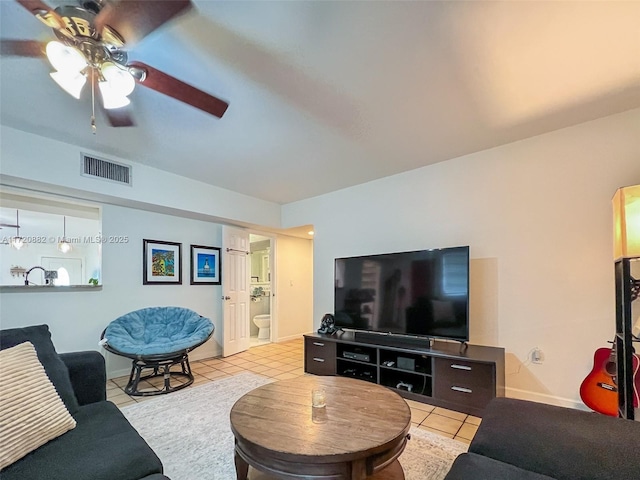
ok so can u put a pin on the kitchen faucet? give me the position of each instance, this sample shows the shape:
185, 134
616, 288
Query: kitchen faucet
49, 275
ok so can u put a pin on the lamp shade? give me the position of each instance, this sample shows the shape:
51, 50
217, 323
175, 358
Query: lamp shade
70, 83
119, 79
17, 242
64, 246
626, 222
65, 58
111, 98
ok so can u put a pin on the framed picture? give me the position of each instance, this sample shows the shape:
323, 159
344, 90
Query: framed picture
162, 262
205, 265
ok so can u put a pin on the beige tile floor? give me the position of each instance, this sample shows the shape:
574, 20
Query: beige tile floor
285, 360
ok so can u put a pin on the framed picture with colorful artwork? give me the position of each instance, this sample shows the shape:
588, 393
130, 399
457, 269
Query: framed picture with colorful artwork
205, 265
162, 263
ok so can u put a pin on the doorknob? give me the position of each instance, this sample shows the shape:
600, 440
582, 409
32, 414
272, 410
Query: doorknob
226, 298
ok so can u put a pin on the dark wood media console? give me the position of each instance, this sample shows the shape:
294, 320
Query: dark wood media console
448, 374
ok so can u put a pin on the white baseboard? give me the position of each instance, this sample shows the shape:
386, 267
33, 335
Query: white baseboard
544, 398
195, 355
289, 338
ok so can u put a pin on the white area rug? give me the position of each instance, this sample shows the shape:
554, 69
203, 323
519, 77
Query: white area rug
429, 456
189, 430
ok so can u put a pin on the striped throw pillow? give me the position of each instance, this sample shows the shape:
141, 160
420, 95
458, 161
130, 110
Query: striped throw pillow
31, 411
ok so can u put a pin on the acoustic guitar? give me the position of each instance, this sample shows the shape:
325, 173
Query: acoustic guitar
598, 390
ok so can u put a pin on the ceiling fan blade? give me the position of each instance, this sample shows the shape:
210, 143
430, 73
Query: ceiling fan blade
21, 48
172, 87
135, 19
44, 13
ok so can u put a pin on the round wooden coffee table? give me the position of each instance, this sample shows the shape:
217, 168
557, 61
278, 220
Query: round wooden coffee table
362, 430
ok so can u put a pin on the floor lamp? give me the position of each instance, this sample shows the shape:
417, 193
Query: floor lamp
626, 214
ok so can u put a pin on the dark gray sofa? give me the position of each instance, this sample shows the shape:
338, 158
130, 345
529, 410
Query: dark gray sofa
521, 440
103, 445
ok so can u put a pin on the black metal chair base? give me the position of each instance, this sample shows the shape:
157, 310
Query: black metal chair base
160, 368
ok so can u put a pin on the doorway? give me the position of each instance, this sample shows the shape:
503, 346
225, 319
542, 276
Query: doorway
69, 270
261, 290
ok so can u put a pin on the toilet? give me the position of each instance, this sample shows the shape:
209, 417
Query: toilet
263, 322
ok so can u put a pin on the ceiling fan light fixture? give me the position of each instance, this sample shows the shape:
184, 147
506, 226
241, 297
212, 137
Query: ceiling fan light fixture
120, 80
112, 37
111, 98
65, 58
70, 83
49, 19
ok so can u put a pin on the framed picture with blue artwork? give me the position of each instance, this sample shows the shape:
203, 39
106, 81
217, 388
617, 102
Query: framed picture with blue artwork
205, 265
162, 262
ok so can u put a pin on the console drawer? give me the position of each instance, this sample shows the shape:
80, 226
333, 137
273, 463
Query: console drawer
463, 382
319, 356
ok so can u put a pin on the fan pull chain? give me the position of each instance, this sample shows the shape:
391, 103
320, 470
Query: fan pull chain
93, 104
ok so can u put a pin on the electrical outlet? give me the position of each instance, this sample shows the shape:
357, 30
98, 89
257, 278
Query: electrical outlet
537, 356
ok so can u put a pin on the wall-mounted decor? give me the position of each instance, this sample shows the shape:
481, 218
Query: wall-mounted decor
205, 265
162, 262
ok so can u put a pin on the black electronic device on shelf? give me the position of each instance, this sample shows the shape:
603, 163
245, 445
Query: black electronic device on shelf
363, 357
354, 352
420, 294
405, 363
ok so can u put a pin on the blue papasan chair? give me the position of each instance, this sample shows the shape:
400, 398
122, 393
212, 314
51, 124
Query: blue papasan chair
157, 339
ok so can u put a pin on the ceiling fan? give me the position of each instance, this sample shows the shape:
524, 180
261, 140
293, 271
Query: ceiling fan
91, 43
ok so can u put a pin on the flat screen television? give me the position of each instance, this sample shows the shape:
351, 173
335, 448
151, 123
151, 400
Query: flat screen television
423, 293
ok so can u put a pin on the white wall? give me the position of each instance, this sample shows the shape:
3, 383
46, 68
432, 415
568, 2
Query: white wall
537, 216
31, 161
294, 284
77, 319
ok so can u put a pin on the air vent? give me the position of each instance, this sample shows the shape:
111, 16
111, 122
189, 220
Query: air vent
105, 169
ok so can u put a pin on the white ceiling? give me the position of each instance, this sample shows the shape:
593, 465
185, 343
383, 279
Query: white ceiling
325, 95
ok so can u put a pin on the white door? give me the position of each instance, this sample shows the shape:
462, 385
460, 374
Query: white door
235, 290
72, 266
